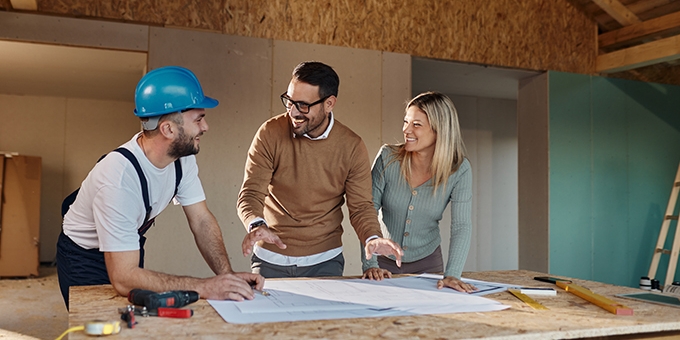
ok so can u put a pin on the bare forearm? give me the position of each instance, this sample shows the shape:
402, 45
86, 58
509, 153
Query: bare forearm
208, 237
211, 245
125, 275
154, 281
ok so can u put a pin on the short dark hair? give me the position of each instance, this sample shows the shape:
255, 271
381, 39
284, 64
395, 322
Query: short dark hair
318, 74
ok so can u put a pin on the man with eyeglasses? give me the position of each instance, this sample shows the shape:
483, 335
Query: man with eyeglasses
301, 166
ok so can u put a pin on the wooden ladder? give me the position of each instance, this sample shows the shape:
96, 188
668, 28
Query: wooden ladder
668, 217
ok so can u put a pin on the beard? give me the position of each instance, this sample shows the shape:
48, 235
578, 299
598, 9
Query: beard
183, 145
309, 124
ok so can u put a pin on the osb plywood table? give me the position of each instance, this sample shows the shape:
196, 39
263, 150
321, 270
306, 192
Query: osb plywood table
568, 317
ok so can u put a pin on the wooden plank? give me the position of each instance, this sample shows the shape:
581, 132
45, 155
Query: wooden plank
638, 56
2, 181
533, 173
618, 11
640, 31
607, 23
28, 5
73, 32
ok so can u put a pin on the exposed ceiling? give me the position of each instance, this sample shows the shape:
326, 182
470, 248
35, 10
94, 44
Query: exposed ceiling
61, 71
634, 33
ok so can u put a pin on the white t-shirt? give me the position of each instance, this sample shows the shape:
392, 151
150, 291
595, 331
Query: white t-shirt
109, 208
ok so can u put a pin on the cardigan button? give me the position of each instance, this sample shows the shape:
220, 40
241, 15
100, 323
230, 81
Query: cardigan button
414, 192
406, 234
410, 207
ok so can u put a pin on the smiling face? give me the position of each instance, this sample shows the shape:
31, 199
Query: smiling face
189, 134
418, 134
315, 122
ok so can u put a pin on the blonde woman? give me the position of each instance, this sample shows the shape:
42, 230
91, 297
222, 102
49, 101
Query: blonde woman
413, 182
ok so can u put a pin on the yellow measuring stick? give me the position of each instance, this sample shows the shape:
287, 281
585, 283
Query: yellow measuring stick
529, 301
596, 299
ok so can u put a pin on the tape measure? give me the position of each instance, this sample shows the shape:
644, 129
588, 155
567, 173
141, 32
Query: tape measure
529, 301
95, 327
98, 327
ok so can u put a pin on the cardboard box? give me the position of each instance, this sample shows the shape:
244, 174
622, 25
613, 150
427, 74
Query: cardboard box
20, 215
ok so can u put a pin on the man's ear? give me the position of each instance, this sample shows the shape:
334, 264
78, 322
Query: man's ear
329, 103
167, 129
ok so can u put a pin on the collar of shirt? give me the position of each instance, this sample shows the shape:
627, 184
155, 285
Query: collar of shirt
324, 135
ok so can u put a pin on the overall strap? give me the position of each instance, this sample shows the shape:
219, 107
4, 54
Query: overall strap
148, 223
178, 175
66, 204
142, 180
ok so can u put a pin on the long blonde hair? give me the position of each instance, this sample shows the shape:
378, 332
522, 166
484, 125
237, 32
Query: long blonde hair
449, 150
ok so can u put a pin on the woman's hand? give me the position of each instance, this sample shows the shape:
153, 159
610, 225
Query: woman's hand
454, 283
376, 274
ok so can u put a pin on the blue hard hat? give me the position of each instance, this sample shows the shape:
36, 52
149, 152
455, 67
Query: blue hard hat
169, 89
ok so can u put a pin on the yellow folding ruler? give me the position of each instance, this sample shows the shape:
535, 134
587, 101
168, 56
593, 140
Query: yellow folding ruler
529, 301
596, 299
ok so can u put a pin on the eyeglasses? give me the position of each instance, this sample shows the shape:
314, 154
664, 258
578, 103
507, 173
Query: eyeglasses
302, 107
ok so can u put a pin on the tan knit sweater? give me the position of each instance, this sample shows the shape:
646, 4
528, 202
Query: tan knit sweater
298, 186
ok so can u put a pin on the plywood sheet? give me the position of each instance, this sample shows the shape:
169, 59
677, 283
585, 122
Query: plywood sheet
359, 95
666, 73
358, 105
20, 239
533, 188
74, 32
237, 72
396, 92
93, 128
533, 34
2, 185
39, 131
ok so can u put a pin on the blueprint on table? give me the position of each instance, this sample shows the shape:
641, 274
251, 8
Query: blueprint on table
318, 299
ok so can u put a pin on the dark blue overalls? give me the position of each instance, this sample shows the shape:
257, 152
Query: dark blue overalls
77, 266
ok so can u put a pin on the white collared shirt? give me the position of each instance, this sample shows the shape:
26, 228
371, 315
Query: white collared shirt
325, 134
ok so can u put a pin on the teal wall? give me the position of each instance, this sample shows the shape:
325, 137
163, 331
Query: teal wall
614, 148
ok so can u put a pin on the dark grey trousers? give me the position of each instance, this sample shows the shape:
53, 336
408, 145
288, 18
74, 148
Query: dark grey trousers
332, 267
431, 264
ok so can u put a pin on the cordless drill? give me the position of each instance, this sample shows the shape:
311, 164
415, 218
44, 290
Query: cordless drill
152, 300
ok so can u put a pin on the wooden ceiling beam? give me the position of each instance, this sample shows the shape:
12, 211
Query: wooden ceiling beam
27, 5
606, 22
654, 52
640, 31
618, 11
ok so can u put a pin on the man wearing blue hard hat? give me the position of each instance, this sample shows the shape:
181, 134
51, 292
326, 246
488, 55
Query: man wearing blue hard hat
105, 220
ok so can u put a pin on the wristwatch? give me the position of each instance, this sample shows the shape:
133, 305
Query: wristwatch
257, 224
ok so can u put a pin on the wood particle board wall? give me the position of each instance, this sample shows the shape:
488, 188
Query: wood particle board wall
659, 73
530, 34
